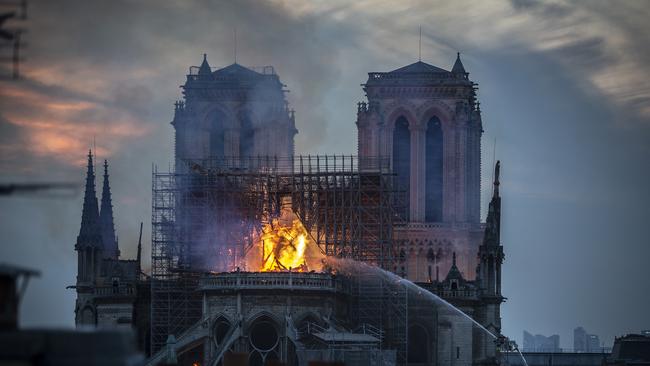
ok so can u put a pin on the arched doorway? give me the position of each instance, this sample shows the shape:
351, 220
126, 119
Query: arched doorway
434, 162
418, 345
88, 316
402, 158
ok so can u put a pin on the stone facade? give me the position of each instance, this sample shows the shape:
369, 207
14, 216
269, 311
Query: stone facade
292, 318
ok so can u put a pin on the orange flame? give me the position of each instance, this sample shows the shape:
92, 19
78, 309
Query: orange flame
284, 244
283, 247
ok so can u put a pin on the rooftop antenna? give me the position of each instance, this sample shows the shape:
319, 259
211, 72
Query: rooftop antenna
494, 157
95, 154
420, 46
235, 31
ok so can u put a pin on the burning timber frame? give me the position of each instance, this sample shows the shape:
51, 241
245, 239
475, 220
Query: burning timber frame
205, 211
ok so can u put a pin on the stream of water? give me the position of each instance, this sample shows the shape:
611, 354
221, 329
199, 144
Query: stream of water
352, 268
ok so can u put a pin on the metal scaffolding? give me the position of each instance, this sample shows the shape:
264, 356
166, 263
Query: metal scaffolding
384, 304
205, 214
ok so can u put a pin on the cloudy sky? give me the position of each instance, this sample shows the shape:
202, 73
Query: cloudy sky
565, 92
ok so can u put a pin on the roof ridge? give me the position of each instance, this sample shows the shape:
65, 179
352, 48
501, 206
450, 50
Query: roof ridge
419, 67
234, 68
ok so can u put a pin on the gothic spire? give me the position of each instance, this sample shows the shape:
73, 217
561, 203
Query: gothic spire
139, 257
89, 234
493, 222
111, 249
204, 69
458, 66
454, 273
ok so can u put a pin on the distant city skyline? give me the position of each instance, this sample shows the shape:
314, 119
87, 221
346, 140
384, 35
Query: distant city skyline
540, 343
582, 342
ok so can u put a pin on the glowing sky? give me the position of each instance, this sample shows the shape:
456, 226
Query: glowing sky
564, 87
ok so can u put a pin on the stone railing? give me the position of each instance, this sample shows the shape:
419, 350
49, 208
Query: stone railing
412, 75
466, 293
106, 291
442, 225
271, 281
457, 294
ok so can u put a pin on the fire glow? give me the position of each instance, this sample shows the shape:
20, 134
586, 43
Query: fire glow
284, 244
284, 247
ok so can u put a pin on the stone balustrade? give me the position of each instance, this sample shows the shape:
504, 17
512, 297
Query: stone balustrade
271, 281
114, 291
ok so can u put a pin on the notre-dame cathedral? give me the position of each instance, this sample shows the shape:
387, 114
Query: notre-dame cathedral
424, 121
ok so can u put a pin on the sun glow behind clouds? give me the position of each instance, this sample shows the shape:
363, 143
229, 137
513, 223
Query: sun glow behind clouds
62, 127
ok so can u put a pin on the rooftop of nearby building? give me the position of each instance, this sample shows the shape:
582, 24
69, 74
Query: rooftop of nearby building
10, 270
633, 347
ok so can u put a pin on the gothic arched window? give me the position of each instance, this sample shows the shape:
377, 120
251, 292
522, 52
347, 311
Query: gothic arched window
217, 130
430, 255
88, 316
434, 158
246, 138
402, 158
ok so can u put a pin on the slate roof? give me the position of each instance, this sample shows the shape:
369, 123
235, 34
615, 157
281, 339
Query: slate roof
236, 70
419, 67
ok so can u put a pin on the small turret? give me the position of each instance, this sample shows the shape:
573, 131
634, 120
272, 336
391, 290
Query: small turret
458, 66
204, 69
491, 252
454, 273
493, 222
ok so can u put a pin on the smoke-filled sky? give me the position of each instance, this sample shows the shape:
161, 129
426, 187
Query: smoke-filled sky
565, 92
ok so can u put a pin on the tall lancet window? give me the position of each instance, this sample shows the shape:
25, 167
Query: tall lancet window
433, 195
217, 135
246, 140
402, 158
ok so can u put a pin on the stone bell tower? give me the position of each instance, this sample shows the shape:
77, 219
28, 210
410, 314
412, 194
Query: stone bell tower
427, 122
232, 114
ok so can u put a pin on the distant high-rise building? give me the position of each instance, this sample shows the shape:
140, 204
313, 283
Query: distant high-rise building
579, 339
585, 342
541, 343
593, 343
